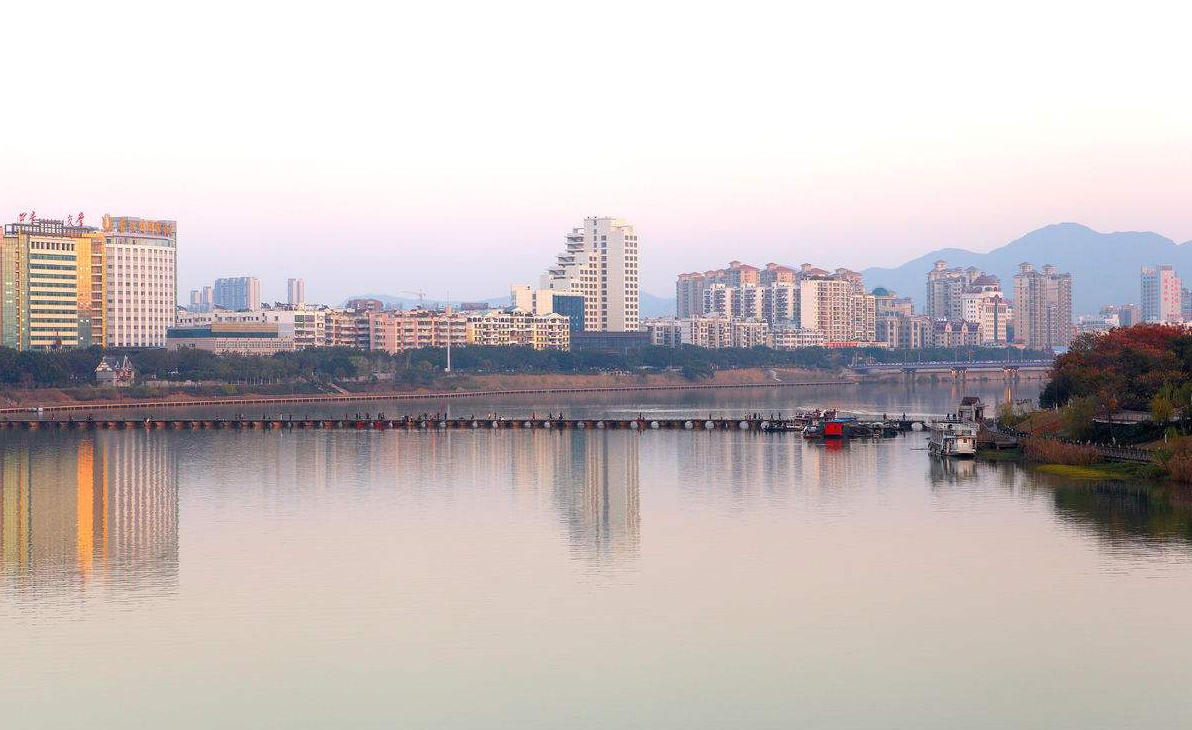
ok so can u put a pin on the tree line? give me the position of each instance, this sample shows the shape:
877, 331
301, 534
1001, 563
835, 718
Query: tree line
69, 368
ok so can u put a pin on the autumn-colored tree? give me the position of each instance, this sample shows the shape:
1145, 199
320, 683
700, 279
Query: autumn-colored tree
1129, 364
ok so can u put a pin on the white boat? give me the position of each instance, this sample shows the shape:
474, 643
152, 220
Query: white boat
953, 438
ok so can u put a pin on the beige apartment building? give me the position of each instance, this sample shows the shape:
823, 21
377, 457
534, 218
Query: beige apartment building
1042, 307
497, 328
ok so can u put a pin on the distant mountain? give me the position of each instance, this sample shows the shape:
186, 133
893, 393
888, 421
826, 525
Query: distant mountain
650, 305
1104, 266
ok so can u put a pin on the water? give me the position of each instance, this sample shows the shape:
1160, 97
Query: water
582, 579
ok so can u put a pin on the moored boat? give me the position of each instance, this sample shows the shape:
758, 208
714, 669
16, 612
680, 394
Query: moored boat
953, 438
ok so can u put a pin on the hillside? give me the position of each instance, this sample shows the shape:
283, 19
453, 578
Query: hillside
1104, 266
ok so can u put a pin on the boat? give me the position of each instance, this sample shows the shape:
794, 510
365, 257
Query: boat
953, 437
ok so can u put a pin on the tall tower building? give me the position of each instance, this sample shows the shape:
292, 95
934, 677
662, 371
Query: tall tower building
52, 285
601, 264
296, 291
945, 291
141, 271
1161, 295
240, 292
1042, 307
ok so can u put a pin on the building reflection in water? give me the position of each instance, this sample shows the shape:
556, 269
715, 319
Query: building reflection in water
597, 490
92, 507
589, 479
755, 468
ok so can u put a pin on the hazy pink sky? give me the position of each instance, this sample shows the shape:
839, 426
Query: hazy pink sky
380, 150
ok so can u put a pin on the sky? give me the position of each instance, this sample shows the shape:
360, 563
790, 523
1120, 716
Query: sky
449, 147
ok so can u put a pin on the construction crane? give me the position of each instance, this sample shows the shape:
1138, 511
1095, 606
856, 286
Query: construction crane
421, 297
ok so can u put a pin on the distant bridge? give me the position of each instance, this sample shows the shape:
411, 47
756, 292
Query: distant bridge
955, 366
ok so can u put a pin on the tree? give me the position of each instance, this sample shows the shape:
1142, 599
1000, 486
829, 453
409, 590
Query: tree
1078, 416
1162, 408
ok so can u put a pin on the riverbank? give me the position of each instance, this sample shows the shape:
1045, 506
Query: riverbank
53, 399
1102, 470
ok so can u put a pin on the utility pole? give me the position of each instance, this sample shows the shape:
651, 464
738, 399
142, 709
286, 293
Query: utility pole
448, 332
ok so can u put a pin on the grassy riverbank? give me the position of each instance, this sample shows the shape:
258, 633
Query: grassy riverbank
1106, 470
1099, 470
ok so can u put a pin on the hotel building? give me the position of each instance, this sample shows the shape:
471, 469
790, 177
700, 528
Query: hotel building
141, 280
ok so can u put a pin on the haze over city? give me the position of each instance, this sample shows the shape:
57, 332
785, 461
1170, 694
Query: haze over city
451, 148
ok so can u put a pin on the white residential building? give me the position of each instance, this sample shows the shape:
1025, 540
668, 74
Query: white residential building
793, 338
304, 326
141, 272
601, 263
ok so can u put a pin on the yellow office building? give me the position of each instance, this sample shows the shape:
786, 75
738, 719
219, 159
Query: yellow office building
52, 278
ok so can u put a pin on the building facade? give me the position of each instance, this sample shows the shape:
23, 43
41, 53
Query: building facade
231, 338
239, 292
53, 285
1161, 292
601, 264
397, 330
945, 291
141, 280
295, 291
548, 331
1042, 307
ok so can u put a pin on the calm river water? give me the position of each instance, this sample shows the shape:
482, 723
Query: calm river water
531, 579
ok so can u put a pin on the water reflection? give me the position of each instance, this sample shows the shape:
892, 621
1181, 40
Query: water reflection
597, 492
99, 507
950, 471
1126, 511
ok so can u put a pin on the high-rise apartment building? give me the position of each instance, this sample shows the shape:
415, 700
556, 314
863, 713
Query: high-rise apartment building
52, 285
601, 264
202, 300
240, 292
1161, 295
945, 291
825, 304
295, 291
141, 280
1042, 307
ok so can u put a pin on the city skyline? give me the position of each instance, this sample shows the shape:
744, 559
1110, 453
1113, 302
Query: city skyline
876, 147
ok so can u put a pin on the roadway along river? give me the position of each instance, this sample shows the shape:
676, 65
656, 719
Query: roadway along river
583, 579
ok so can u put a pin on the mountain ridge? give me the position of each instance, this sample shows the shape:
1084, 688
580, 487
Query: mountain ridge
1104, 266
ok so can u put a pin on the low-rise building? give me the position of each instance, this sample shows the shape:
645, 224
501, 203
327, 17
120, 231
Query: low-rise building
542, 332
794, 338
115, 371
409, 329
238, 338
